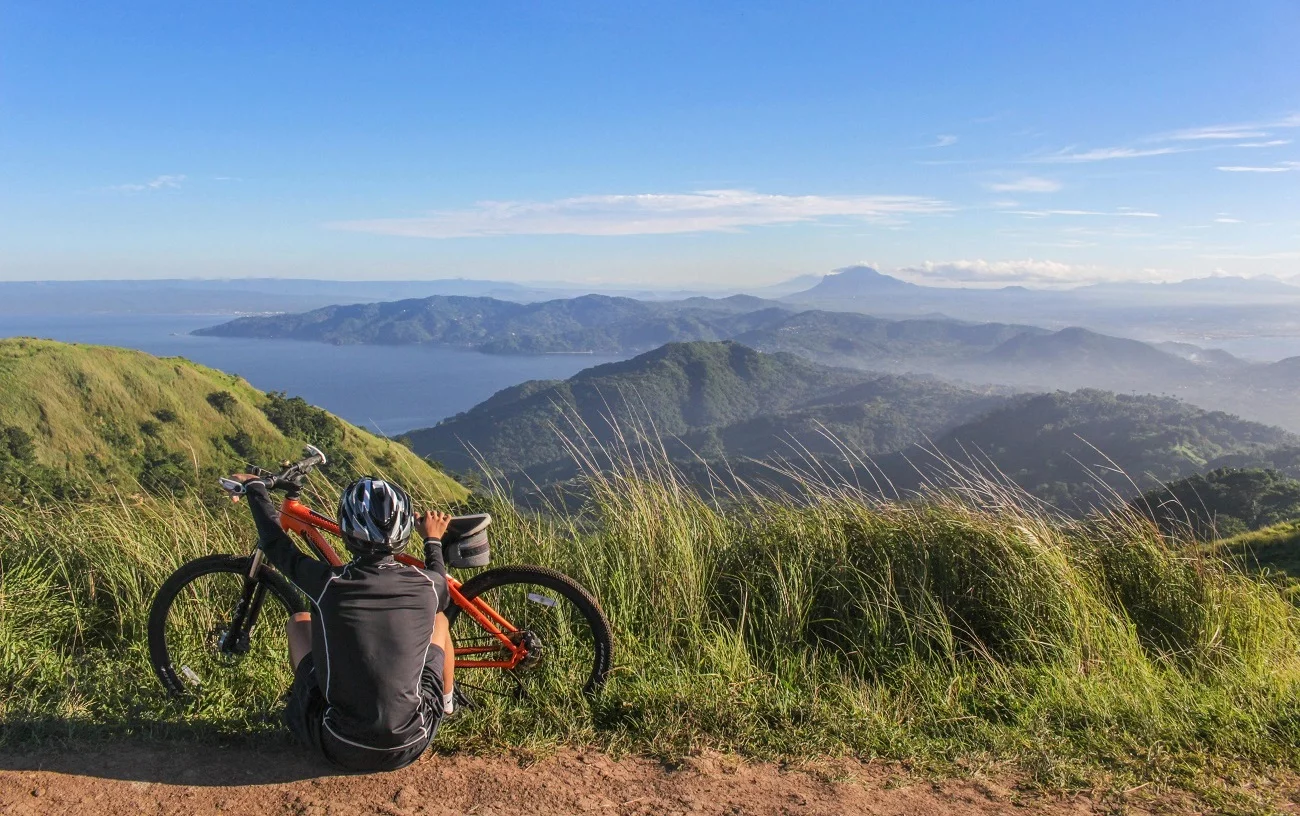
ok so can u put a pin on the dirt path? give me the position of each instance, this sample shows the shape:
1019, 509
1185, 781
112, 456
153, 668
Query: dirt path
183, 779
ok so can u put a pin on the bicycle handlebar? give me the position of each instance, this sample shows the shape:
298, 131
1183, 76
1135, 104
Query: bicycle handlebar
290, 478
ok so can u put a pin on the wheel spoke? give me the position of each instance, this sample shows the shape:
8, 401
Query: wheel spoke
216, 665
560, 639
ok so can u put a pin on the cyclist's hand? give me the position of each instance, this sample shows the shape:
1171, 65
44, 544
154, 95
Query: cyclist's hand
432, 524
241, 477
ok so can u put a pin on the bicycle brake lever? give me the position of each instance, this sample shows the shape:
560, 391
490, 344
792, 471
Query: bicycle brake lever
233, 487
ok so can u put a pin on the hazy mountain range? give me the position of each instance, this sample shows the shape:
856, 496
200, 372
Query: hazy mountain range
1199, 310
1017, 355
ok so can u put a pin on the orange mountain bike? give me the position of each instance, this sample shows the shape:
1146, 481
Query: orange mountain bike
216, 627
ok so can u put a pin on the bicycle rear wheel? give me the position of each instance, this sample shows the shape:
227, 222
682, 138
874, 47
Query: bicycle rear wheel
569, 643
193, 647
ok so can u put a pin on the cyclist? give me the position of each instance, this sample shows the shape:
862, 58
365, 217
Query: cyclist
373, 660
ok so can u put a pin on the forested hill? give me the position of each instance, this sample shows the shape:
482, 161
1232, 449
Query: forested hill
591, 323
722, 402
724, 398
73, 416
1223, 502
1088, 447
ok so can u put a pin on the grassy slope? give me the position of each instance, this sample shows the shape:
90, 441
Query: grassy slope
1274, 549
950, 635
94, 409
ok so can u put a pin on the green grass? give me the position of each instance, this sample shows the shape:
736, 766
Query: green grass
947, 632
1272, 551
104, 415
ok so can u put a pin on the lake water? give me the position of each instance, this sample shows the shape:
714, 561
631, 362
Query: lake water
388, 389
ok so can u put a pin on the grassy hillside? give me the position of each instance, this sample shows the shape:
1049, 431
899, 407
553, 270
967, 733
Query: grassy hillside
72, 415
1276, 548
947, 635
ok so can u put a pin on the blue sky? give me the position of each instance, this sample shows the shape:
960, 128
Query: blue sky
706, 144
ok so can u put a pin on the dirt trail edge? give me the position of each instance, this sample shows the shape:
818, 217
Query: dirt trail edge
188, 779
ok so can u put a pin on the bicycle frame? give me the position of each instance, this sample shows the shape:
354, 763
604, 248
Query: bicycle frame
296, 517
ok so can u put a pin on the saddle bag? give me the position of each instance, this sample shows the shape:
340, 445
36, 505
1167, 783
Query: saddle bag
465, 544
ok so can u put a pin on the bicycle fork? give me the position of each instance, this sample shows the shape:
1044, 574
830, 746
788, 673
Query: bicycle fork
236, 640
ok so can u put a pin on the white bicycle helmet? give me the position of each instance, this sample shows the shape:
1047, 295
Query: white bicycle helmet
375, 515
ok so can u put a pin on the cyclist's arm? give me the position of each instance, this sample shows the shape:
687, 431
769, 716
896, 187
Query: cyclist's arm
437, 571
305, 572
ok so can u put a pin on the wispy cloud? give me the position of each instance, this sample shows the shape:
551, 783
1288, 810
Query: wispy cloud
1246, 130
1280, 167
1285, 255
646, 214
1216, 132
943, 140
1123, 212
1026, 184
1072, 156
158, 183
980, 271
1225, 220
1179, 141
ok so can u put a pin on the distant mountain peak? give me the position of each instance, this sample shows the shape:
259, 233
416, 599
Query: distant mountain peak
857, 281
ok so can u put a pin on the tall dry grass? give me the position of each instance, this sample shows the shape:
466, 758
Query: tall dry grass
965, 625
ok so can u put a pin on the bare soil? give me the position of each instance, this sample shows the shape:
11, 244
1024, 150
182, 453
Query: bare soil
198, 779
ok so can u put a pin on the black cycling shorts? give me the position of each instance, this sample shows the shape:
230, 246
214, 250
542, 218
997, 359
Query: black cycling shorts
304, 714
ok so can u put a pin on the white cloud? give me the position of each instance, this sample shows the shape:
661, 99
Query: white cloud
1227, 221
157, 183
1262, 256
1281, 167
944, 140
1208, 133
1027, 184
1122, 212
1069, 156
646, 214
1217, 132
1029, 271
1248, 130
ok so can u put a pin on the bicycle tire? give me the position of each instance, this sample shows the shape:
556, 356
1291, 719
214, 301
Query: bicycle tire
159, 652
583, 601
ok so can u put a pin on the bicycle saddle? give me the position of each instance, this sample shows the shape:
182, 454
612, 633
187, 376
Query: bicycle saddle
462, 527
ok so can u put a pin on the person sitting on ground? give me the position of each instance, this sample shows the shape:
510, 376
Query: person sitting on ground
373, 660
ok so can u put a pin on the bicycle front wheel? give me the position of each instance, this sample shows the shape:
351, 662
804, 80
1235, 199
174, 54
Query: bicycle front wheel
568, 640
217, 635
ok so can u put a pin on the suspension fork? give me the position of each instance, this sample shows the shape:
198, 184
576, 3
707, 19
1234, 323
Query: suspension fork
249, 607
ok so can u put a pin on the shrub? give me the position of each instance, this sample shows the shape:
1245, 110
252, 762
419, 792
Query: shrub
223, 401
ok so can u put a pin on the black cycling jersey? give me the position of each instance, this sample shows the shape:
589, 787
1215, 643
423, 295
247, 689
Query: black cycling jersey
371, 628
